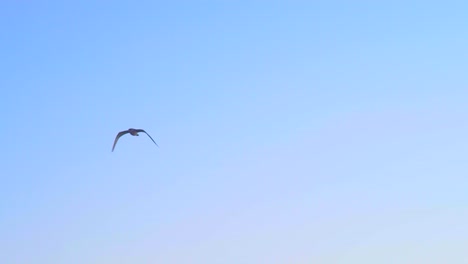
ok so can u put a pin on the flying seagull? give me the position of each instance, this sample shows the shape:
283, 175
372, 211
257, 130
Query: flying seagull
133, 132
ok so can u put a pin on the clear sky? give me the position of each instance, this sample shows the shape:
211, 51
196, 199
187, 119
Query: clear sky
289, 132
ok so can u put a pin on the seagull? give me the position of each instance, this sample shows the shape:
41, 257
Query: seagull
133, 132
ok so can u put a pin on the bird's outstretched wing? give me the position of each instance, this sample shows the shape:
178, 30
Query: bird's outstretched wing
121, 133
141, 130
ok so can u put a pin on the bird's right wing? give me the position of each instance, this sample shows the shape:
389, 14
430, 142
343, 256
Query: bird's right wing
121, 133
141, 130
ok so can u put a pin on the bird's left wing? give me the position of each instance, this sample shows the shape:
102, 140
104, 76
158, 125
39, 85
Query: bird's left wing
121, 133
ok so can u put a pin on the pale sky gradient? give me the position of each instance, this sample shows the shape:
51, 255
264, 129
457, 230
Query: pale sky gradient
289, 132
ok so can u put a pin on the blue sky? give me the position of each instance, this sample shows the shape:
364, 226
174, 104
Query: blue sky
289, 132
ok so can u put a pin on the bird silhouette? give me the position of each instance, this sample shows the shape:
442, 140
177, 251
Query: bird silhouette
133, 132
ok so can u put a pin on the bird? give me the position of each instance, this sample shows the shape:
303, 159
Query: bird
133, 132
